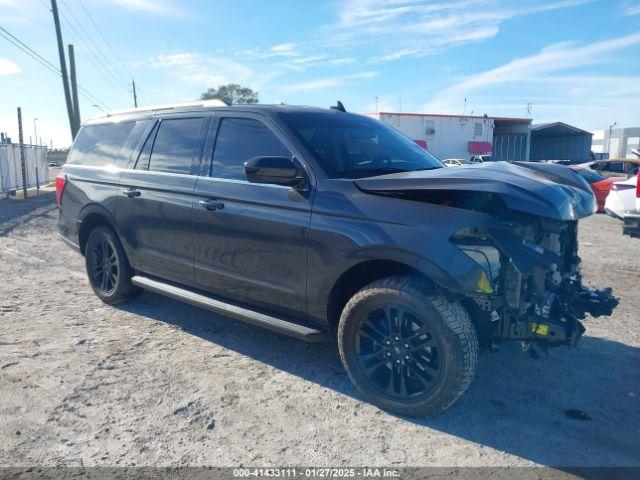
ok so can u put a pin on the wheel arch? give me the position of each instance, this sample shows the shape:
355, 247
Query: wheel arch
91, 217
360, 275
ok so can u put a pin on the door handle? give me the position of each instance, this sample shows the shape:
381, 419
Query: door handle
132, 193
211, 204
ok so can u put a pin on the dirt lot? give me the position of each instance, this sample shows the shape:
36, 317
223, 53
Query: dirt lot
158, 382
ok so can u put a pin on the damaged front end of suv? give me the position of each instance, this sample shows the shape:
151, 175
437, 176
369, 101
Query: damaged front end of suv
523, 237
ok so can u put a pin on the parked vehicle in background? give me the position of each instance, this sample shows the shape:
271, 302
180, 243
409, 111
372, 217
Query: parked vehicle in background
480, 158
455, 162
319, 223
600, 184
54, 163
621, 198
632, 219
615, 167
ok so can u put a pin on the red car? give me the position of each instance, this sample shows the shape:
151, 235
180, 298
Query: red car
600, 184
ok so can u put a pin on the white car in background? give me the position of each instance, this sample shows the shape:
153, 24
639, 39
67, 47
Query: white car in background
621, 198
456, 162
631, 219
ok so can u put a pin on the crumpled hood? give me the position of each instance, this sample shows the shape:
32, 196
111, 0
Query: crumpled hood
547, 190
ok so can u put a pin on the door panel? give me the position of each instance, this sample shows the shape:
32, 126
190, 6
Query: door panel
250, 239
253, 249
156, 224
155, 203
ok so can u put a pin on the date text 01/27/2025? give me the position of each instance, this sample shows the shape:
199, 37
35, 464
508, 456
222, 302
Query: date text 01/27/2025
363, 472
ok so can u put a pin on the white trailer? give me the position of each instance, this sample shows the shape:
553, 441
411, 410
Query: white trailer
460, 136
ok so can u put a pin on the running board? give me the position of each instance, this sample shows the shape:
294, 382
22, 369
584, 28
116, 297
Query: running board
301, 332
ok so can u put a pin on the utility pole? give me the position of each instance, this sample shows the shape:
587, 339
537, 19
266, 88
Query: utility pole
23, 160
135, 96
63, 70
74, 86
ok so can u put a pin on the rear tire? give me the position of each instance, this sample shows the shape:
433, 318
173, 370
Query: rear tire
107, 267
406, 348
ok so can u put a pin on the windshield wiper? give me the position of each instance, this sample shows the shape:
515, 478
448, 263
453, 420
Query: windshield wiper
423, 169
372, 172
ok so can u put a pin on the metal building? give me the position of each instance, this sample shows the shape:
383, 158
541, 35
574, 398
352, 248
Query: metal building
511, 139
560, 141
616, 142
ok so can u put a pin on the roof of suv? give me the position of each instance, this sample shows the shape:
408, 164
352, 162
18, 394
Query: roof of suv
205, 105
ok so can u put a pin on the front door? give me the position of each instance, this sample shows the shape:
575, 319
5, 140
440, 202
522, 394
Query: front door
250, 239
155, 204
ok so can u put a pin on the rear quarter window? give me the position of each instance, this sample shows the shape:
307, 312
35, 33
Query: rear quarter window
101, 145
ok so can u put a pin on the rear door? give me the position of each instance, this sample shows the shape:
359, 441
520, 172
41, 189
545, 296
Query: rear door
156, 196
251, 248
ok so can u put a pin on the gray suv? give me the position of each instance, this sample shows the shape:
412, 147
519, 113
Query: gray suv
320, 223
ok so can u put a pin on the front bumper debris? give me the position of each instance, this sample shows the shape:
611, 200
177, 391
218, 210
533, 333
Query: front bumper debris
556, 320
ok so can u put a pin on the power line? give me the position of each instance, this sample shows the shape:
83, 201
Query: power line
96, 53
16, 42
91, 56
115, 55
106, 42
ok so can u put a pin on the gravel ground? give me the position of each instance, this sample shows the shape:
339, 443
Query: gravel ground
157, 382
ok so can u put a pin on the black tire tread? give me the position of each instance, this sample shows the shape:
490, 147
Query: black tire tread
126, 291
458, 325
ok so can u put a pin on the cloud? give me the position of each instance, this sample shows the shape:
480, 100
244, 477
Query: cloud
415, 28
632, 8
156, 7
395, 29
207, 71
553, 74
284, 49
7, 67
327, 82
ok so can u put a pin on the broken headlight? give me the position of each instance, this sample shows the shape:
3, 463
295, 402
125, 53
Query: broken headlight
488, 257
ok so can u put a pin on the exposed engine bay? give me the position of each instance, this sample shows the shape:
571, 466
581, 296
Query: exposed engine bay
536, 287
524, 238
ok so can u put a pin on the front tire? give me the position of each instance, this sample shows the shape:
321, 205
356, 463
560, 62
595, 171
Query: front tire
407, 349
108, 269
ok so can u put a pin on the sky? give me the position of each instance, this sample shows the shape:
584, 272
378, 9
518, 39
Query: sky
576, 61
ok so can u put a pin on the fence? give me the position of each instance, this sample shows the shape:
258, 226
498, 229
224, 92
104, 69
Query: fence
11, 166
510, 147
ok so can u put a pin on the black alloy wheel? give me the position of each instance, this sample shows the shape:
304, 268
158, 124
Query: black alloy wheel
406, 348
107, 266
397, 352
103, 265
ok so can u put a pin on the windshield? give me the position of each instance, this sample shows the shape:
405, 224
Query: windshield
353, 146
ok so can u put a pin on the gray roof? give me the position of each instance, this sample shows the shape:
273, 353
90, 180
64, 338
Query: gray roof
206, 105
556, 129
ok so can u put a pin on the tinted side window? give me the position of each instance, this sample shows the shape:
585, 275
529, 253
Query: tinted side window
176, 145
240, 139
100, 145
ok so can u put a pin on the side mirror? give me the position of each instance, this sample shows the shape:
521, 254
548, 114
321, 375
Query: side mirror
275, 171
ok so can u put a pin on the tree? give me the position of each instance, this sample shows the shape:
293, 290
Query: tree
231, 94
